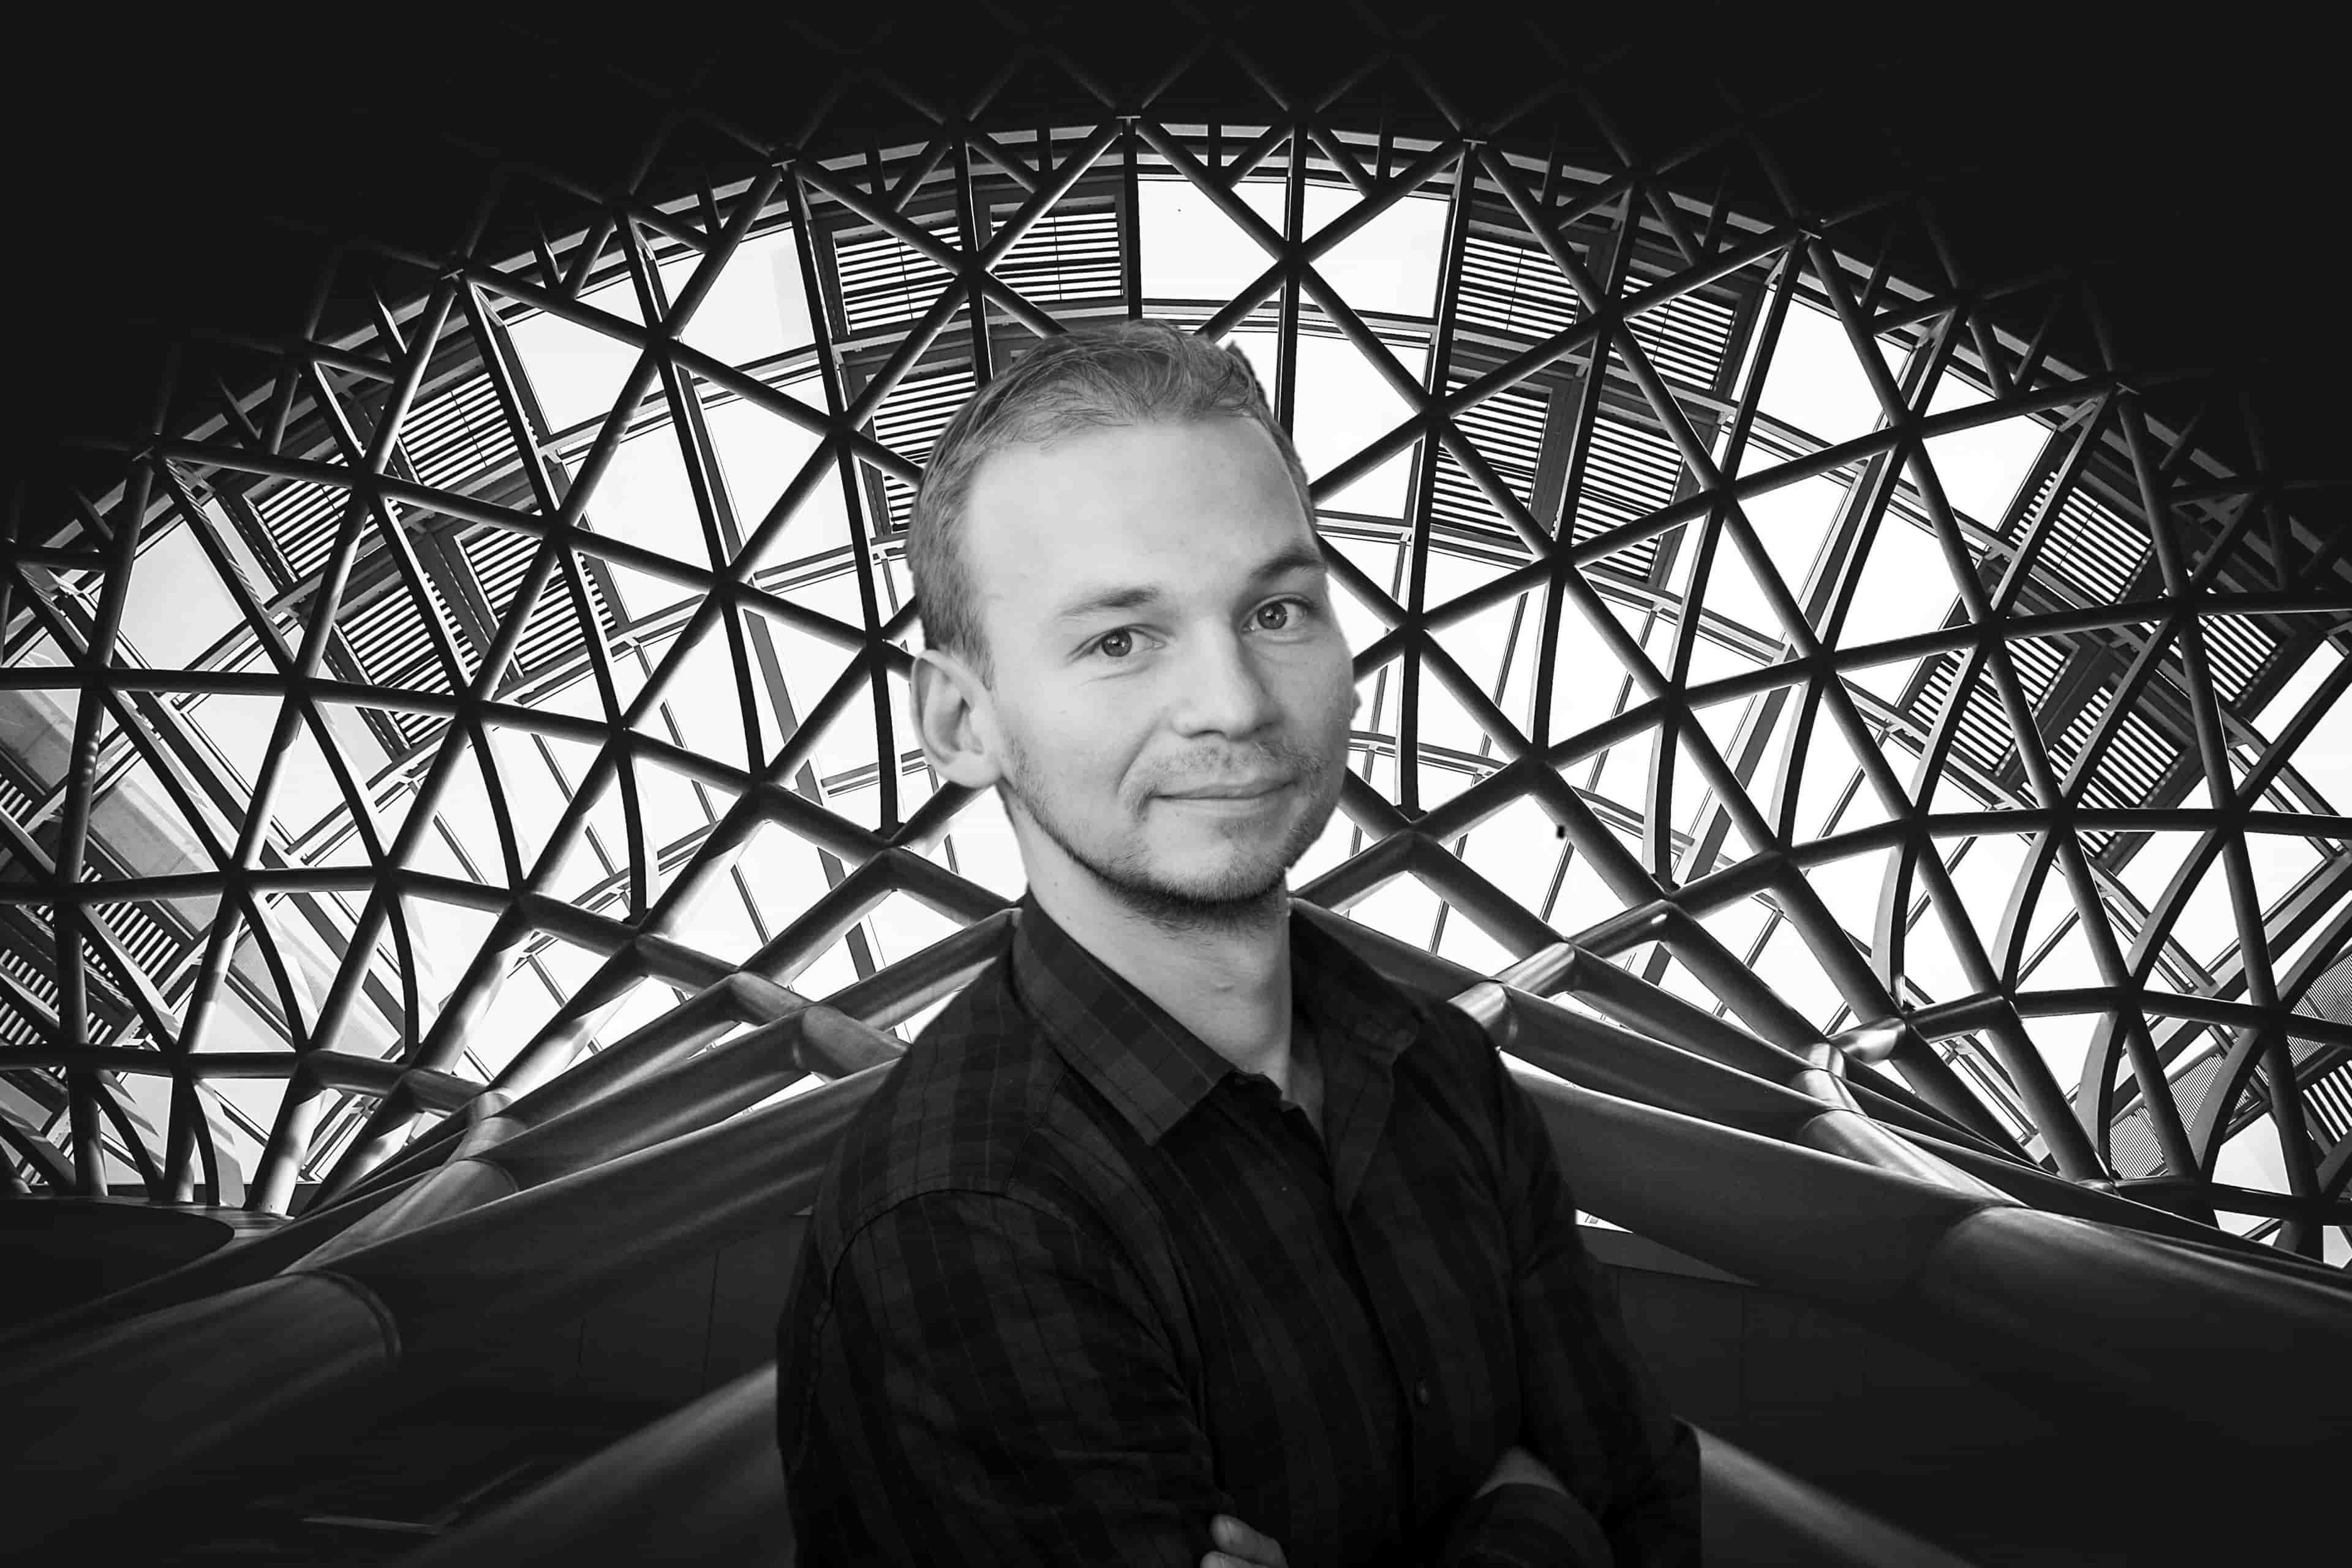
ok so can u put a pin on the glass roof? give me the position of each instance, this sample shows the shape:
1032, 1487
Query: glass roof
485, 685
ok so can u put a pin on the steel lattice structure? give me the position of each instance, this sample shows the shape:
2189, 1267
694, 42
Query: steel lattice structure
436, 707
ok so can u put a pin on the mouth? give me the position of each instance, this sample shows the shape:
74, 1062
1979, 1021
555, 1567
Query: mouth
1229, 794
1249, 788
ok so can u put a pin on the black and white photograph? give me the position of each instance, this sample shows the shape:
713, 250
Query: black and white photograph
1358, 784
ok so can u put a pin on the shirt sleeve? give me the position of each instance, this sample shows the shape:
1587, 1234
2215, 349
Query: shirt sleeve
1517, 1525
1590, 1408
986, 1384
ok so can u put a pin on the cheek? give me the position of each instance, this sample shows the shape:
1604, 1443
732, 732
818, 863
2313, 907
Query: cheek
1333, 697
1085, 745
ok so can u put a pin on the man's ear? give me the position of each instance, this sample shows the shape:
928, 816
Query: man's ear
953, 717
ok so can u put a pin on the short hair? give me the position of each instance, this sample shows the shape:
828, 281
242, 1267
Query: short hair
1095, 377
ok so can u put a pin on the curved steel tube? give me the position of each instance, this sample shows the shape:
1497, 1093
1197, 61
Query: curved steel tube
1762, 1179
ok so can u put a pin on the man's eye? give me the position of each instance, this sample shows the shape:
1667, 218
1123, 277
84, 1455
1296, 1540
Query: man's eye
1278, 615
1115, 645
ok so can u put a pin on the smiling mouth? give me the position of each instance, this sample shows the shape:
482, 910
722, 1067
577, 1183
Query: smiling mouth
1229, 794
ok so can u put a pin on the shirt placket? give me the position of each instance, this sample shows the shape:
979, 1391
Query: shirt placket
1312, 1159
1388, 1299
1357, 1101
1391, 1301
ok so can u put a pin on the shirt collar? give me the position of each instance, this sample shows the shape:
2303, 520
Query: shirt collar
1153, 1068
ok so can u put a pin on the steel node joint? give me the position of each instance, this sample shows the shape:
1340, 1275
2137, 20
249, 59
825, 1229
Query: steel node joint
1876, 1042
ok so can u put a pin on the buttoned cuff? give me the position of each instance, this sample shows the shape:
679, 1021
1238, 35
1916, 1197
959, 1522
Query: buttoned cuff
1523, 1525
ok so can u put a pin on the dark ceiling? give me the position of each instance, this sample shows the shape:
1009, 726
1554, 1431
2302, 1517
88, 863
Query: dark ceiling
191, 168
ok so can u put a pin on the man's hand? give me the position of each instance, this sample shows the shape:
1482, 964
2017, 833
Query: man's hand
1517, 1465
1243, 1547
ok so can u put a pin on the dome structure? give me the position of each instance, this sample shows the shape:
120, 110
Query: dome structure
1780, 644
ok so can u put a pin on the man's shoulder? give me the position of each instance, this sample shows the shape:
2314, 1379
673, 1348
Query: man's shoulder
1450, 1051
1449, 1025
1373, 988
1440, 1027
962, 1111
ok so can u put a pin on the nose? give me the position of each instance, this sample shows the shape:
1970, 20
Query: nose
1222, 691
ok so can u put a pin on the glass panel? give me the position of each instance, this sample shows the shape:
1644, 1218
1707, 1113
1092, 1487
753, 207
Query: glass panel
1572, 440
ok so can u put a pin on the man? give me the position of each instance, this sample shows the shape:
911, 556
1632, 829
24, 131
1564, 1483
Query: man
1180, 1236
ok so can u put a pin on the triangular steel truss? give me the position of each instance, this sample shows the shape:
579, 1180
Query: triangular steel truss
362, 749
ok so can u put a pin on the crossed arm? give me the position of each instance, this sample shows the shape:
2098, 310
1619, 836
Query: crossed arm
1626, 1469
958, 1302
1603, 1473
952, 1302
1546, 1526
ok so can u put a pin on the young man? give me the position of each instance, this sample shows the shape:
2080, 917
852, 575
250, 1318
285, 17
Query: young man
1181, 1236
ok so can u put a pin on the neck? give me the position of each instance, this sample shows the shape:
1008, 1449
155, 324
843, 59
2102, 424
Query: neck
1226, 979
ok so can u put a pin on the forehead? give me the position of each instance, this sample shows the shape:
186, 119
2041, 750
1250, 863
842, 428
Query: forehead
1178, 507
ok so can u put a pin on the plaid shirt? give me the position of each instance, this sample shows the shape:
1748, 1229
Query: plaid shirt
1072, 1284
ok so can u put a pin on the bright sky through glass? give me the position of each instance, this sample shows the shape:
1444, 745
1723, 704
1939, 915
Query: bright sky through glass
757, 315
1194, 257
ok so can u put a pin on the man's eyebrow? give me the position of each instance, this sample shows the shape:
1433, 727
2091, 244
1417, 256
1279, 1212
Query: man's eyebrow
1291, 558
1106, 600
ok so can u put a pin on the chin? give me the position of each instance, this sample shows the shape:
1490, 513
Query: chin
1249, 886
1197, 889
1243, 870
1176, 910
1222, 870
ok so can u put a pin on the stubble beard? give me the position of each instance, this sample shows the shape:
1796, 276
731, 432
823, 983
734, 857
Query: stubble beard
1237, 909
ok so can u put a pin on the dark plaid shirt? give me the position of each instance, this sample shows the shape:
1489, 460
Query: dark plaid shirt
1072, 1284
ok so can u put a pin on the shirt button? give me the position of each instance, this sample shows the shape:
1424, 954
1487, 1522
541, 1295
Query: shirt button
1421, 1394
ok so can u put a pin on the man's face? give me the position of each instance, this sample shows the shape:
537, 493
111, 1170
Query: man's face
1171, 694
